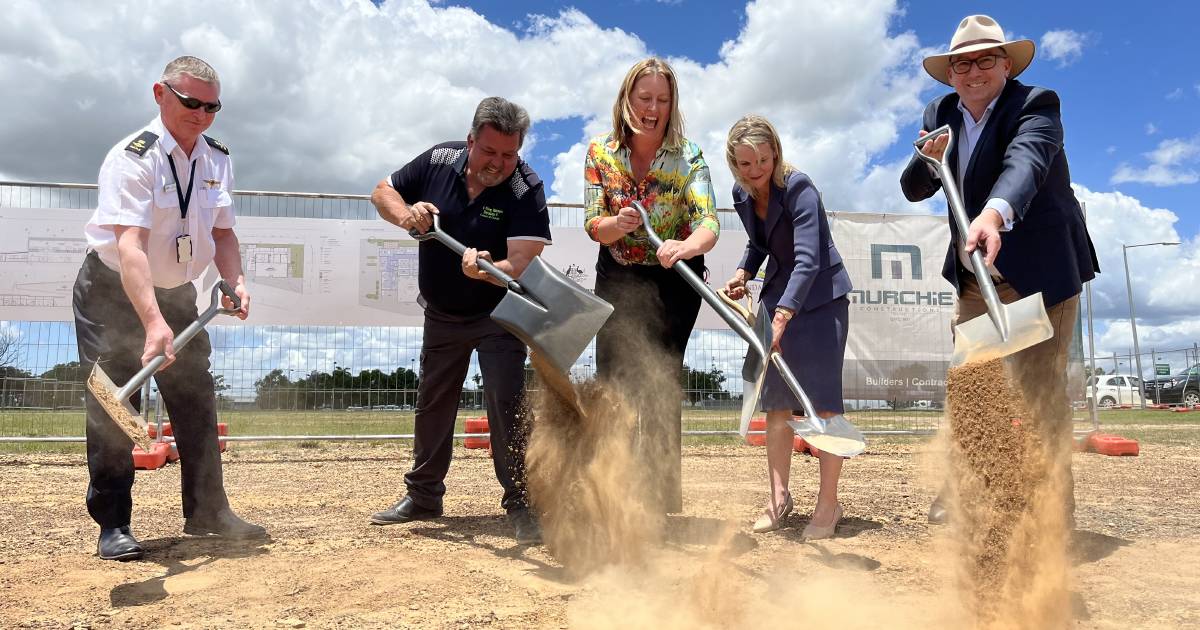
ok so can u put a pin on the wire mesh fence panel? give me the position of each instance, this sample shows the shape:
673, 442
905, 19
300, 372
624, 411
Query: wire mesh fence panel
312, 380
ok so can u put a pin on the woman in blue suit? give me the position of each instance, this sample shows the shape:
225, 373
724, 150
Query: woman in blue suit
804, 293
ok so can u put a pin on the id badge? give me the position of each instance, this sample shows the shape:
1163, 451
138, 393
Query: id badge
183, 248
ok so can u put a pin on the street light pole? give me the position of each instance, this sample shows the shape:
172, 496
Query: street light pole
1137, 355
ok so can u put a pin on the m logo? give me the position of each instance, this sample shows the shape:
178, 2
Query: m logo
896, 265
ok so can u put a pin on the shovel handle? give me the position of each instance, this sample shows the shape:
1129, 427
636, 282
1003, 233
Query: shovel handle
182, 339
436, 233
959, 214
736, 305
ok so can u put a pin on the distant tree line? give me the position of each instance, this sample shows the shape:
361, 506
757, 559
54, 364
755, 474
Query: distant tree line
338, 389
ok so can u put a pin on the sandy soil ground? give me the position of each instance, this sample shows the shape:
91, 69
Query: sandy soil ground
1134, 549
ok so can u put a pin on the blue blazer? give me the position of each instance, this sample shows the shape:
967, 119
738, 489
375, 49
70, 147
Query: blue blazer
1019, 158
804, 268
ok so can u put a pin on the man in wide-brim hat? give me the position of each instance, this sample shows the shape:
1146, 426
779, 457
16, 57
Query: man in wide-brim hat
1010, 167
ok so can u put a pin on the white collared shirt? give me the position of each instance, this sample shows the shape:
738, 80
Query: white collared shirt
139, 191
968, 139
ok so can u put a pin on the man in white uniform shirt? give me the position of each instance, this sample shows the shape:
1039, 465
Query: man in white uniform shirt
164, 212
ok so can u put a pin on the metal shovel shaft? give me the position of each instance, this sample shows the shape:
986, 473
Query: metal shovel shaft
442, 237
115, 400
731, 317
183, 337
550, 313
958, 212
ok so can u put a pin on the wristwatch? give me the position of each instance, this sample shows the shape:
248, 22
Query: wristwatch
785, 313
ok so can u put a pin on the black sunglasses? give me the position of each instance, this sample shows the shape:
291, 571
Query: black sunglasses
194, 103
986, 62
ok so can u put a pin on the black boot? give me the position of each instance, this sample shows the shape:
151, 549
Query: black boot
118, 543
526, 527
404, 511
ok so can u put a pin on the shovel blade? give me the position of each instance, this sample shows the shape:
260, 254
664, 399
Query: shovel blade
751, 390
755, 365
978, 339
555, 317
120, 411
835, 435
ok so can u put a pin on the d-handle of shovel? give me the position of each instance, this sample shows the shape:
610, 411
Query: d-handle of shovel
958, 212
436, 233
737, 306
181, 340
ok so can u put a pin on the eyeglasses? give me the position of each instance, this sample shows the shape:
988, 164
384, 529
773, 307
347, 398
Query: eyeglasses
986, 62
195, 103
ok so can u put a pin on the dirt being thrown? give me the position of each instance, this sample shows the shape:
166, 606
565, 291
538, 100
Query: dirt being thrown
586, 481
1008, 507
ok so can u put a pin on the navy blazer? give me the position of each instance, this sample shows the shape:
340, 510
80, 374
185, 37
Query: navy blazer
804, 268
1020, 159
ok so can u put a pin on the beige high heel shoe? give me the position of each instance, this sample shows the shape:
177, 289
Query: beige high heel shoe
817, 532
770, 522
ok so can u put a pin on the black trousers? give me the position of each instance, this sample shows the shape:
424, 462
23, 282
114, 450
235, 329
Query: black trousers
640, 349
109, 333
445, 356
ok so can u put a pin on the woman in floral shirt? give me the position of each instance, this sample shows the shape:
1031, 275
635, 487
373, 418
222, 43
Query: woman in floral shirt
640, 349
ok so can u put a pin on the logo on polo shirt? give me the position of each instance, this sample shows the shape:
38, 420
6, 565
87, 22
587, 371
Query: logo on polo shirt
494, 214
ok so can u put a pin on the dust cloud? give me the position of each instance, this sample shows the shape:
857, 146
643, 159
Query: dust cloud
1008, 508
594, 479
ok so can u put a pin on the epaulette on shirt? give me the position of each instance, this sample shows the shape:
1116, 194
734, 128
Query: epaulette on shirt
216, 144
142, 143
523, 180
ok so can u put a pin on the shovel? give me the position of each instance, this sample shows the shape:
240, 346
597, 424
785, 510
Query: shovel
833, 435
546, 310
1008, 328
115, 400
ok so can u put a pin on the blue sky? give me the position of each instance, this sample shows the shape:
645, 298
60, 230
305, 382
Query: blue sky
1130, 87
335, 97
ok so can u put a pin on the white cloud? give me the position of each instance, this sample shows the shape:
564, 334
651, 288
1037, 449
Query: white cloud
1110, 149
1151, 129
1163, 277
1174, 95
836, 114
329, 98
1168, 165
1063, 46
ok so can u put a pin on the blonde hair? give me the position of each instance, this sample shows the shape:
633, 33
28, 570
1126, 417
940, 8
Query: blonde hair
752, 130
622, 115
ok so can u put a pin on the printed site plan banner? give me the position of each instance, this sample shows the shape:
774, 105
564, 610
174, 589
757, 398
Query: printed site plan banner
364, 273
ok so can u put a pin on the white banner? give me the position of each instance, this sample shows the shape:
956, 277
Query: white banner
364, 273
900, 342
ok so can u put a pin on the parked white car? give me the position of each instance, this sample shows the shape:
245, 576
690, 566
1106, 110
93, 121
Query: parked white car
1114, 389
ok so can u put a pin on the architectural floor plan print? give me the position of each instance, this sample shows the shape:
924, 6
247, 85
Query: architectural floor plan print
38, 263
279, 265
387, 277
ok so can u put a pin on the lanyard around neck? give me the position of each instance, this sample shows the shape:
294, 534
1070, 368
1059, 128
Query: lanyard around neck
184, 199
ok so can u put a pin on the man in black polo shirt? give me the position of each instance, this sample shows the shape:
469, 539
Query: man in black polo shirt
487, 198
